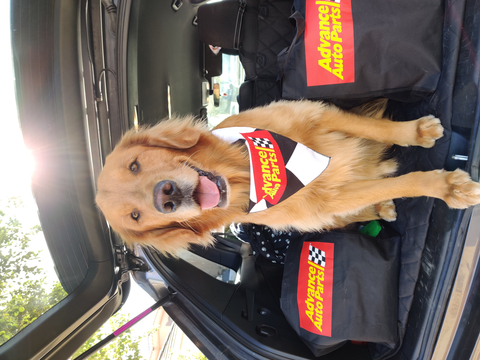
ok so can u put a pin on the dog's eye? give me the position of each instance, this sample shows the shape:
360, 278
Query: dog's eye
135, 167
135, 215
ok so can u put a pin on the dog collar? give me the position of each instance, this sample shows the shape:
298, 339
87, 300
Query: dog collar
279, 166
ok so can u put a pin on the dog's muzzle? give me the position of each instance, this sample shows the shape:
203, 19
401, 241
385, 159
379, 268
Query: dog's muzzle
167, 196
210, 192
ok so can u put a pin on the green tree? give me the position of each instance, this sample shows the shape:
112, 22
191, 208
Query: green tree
24, 293
125, 347
189, 355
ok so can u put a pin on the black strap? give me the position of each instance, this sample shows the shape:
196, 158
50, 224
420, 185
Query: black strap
238, 25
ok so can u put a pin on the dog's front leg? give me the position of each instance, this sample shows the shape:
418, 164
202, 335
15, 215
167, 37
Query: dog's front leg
384, 210
421, 132
456, 188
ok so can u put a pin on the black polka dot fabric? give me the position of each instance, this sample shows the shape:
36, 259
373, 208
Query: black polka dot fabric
270, 244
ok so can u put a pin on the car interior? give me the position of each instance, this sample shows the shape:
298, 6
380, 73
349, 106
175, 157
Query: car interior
248, 309
51, 114
156, 61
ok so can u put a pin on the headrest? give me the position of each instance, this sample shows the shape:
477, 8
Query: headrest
220, 23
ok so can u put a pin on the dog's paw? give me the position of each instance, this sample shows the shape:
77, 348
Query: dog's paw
429, 129
386, 210
462, 190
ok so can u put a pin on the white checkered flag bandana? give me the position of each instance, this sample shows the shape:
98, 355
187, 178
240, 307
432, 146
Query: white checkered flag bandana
316, 256
279, 166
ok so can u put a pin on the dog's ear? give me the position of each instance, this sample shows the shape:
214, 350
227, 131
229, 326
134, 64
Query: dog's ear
176, 133
170, 240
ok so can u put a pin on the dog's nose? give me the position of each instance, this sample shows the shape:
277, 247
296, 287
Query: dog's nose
167, 197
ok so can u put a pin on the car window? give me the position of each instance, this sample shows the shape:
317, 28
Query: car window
223, 102
29, 285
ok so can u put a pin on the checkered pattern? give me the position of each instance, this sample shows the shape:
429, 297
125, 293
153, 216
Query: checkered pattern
316, 255
261, 142
302, 164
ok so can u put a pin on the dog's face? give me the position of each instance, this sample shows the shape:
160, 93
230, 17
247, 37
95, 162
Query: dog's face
151, 188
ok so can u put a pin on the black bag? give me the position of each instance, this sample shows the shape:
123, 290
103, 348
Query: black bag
352, 51
257, 29
341, 286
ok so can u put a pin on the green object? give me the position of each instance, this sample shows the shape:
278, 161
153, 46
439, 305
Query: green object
373, 228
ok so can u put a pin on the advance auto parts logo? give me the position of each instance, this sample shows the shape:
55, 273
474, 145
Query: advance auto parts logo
314, 291
329, 45
270, 179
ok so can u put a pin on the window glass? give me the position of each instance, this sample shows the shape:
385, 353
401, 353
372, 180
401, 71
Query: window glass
223, 102
29, 285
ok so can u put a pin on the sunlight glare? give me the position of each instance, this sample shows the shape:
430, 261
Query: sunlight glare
17, 180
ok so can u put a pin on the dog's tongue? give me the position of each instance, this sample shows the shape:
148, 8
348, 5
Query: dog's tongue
207, 193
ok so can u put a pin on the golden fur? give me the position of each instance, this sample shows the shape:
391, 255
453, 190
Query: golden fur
356, 186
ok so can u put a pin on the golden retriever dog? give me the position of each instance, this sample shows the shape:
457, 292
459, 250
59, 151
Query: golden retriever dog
174, 183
